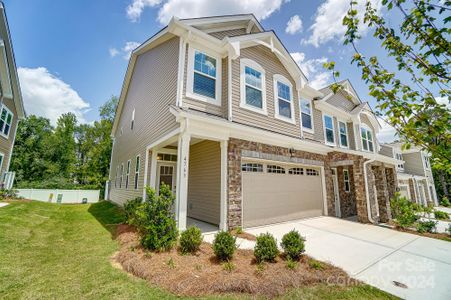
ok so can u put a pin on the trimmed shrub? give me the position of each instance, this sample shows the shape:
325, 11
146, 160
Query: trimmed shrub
155, 220
265, 248
404, 211
224, 245
130, 208
441, 215
190, 240
426, 226
445, 202
293, 245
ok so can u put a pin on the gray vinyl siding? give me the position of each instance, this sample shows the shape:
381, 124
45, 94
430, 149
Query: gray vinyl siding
272, 66
233, 32
339, 100
387, 151
351, 136
7, 143
413, 163
204, 183
318, 127
203, 106
153, 88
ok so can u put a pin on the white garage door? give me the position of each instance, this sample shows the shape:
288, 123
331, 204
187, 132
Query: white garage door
275, 193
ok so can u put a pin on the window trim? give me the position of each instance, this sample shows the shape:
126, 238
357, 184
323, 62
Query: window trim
190, 76
245, 62
277, 115
4, 107
306, 129
367, 128
137, 168
346, 174
127, 175
339, 133
117, 176
333, 130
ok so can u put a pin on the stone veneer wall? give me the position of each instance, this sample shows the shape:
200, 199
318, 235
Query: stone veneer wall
352, 203
348, 206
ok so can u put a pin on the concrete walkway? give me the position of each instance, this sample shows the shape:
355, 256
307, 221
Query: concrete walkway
2, 204
376, 255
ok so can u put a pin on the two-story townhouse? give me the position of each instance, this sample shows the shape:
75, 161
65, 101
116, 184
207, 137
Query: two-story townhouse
217, 108
414, 173
11, 105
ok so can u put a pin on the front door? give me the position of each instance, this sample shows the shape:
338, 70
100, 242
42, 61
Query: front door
166, 176
336, 193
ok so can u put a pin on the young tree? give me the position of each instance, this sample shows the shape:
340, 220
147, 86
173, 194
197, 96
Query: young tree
421, 50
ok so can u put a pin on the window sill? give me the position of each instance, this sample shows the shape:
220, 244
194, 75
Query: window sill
308, 130
203, 98
254, 109
4, 136
285, 119
330, 144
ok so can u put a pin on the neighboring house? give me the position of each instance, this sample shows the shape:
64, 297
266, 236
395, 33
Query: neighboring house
414, 173
218, 109
11, 105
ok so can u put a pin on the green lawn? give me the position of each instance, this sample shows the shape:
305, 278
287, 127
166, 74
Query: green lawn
63, 251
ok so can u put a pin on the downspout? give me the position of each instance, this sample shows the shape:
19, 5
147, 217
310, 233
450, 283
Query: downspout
367, 193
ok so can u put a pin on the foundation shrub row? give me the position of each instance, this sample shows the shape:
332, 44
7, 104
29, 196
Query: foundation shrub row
155, 222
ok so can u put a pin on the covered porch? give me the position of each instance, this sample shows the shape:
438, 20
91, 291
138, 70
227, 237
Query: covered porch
195, 167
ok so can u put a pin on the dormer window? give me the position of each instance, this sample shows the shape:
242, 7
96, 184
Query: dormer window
367, 139
253, 90
203, 81
283, 98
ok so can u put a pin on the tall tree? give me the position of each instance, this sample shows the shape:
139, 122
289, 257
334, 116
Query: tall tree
421, 50
31, 159
63, 147
108, 110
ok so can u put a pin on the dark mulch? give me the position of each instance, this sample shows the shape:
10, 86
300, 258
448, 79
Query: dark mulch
203, 274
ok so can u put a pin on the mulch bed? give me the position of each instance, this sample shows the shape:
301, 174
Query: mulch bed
202, 274
439, 236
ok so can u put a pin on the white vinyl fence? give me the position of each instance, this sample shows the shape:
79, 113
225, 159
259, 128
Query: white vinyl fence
60, 196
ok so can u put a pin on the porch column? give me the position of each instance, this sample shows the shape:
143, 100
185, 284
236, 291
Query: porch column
182, 180
153, 169
224, 168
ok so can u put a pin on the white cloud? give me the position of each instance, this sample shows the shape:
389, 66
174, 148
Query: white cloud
387, 133
135, 9
313, 69
113, 52
294, 25
201, 8
128, 48
48, 96
444, 100
328, 20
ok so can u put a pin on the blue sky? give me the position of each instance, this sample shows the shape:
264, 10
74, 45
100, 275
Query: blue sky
72, 55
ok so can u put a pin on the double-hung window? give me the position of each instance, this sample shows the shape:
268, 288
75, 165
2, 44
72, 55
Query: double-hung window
283, 98
132, 122
329, 134
367, 139
137, 166
306, 115
204, 76
346, 180
400, 165
128, 174
253, 95
117, 177
6, 119
343, 131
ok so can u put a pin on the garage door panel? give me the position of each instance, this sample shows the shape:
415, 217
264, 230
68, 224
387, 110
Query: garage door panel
272, 198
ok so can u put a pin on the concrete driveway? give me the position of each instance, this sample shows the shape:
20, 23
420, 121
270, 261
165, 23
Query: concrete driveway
376, 255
